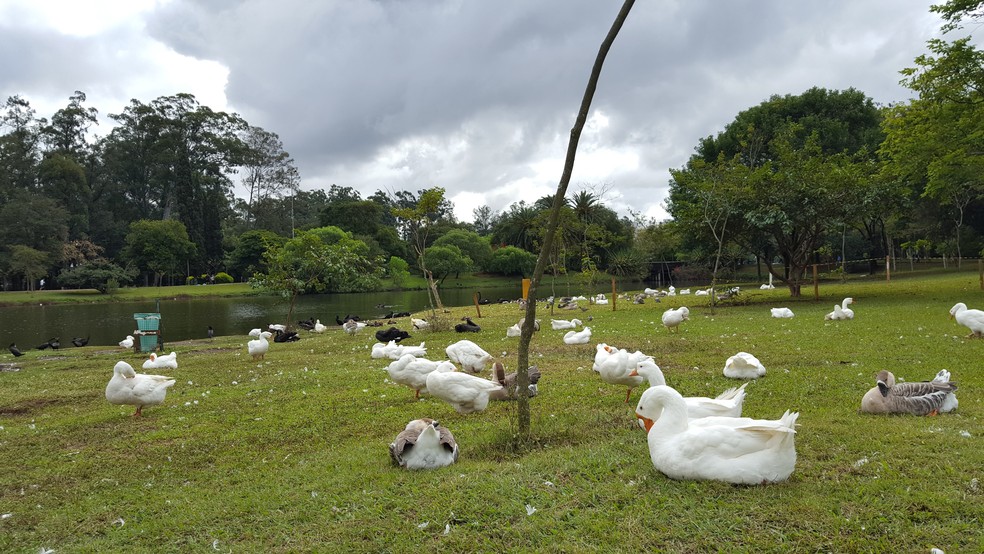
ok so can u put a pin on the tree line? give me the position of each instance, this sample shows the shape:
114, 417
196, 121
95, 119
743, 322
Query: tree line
823, 176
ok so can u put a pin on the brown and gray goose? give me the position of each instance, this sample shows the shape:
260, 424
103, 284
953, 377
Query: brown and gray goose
919, 398
424, 444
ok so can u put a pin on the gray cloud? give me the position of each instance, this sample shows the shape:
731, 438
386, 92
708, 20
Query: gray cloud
479, 97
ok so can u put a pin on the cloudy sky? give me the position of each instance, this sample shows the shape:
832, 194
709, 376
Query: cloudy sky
474, 96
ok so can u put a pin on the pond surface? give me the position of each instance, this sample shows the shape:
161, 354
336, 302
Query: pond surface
184, 319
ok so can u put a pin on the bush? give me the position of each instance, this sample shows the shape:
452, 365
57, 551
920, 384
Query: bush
223, 277
191, 280
101, 275
510, 260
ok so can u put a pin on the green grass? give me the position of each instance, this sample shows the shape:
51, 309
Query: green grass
290, 454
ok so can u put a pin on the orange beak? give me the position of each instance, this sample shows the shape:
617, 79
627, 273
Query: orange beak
646, 421
634, 373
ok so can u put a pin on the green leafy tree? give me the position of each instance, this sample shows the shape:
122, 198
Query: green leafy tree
98, 274
398, 270
305, 264
443, 260
159, 247
29, 263
247, 256
510, 260
470, 243
418, 220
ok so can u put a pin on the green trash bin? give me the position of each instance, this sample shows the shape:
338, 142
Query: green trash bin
149, 326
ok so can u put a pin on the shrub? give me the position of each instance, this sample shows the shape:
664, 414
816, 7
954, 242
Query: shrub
223, 277
510, 260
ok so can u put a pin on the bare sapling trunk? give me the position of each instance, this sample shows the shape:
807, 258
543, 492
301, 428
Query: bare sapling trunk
526, 335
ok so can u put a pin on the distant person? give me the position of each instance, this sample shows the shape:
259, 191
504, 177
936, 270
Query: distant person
42, 284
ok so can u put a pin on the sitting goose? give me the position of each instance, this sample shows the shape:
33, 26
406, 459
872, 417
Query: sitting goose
424, 444
921, 398
510, 390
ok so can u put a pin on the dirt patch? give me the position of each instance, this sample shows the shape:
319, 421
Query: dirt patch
34, 404
9, 367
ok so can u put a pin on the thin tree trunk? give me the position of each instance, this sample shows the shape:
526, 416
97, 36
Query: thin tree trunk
526, 334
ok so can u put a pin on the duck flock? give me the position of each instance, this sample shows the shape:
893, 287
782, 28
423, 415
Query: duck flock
689, 437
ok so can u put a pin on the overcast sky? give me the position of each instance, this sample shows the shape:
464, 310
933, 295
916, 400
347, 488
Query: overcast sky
474, 96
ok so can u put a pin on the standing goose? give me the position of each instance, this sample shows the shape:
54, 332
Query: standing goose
673, 318
920, 398
136, 389
736, 450
412, 371
971, 319
470, 356
258, 347
424, 444
466, 393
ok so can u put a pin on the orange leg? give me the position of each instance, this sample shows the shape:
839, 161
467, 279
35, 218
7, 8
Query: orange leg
628, 393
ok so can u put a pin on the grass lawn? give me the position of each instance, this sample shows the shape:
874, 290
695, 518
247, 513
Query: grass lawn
290, 454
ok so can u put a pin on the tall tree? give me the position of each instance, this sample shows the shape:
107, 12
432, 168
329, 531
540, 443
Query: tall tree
417, 221
268, 170
160, 247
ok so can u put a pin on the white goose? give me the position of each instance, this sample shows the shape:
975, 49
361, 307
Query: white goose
419, 324
424, 444
841, 311
618, 366
971, 319
352, 326
578, 337
562, 324
736, 450
726, 404
127, 342
672, 318
514, 331
136, 389
395, 351
466, 393
782, 313
259, 346
412, 371
743, 366
318, 326
161, 362
470, 356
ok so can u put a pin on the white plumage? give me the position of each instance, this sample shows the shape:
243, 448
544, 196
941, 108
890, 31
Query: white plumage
841, 311
726, 404
424, 444
561, 324
672, 318
412, 371
259, 346
971, 319
782, 313
470, 356
318, 326
578, 337
161, 362
743, 366
466, 393
395, 351
136, 389
732, 449
127, 342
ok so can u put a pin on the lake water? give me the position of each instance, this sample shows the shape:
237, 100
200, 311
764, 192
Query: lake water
107, 324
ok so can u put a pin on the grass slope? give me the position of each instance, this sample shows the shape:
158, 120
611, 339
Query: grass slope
290, 454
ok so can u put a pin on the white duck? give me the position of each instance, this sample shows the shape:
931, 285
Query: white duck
736, 450
578, 337
971, 319
726, 404
255, 332
617, 368
782, 313
601, 300
412, 371
513, 331
466, 393
561, 324
318, 326
277, 327
743, 366
136, 389
259, 346
470, 356
841, 311
672, 318
160, 362
920, 398
424, 444
395, 351
419, 324
127, 342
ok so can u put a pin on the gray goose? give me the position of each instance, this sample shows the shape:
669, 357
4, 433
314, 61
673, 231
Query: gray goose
920, 398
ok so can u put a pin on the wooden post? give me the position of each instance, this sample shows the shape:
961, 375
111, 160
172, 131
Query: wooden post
614, 296
477, 309
888, 268
816, 283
